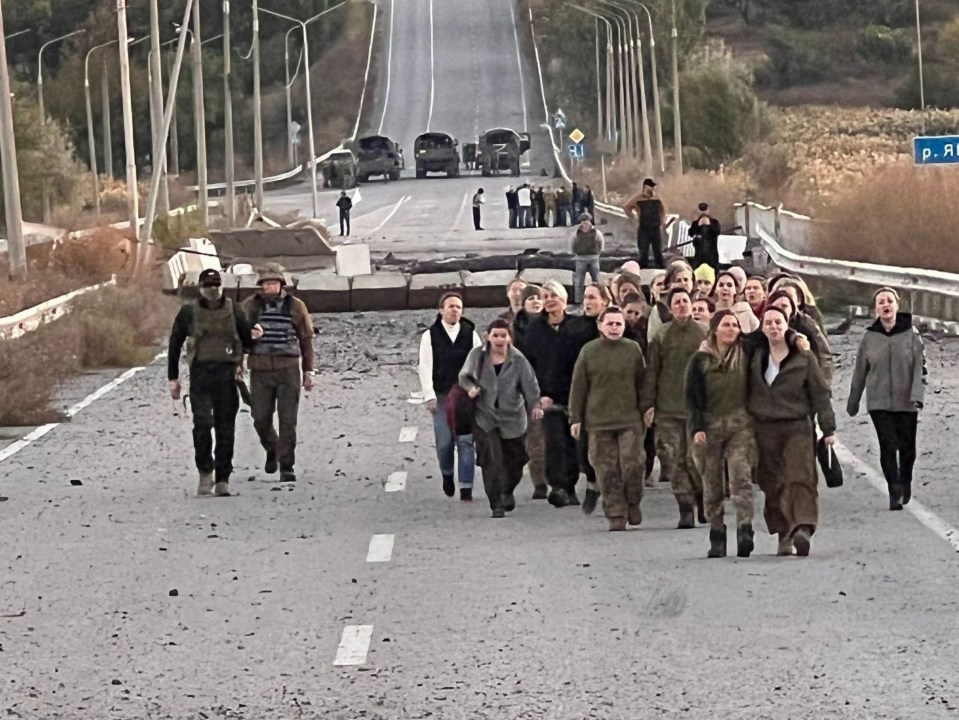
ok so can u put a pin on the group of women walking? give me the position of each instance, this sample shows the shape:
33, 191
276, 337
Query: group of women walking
730, 399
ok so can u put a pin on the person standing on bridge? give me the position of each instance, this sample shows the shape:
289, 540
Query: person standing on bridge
587, 245
275, 363
444, 348
219, 334
651, 212
525, 199
478, 202
345, 205
512, 206
891, 370
704, 233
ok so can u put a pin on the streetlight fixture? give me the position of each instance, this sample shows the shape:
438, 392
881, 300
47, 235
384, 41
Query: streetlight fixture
632, 91
309, 95
11, 36
656, 106
610, 72
43, 114
91, 141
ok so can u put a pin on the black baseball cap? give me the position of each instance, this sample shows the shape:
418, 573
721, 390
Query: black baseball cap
649, 182
209, 278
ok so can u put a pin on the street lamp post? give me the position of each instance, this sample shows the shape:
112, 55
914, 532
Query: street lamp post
677, 116
610, 82
43, 114
309, 95
922, 84
657, 110
629, 64
90, 136
16, 250
105, 117
640, 92
287, 89
257, 115
155, 75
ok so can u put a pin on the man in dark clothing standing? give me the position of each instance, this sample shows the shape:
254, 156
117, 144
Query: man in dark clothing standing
652, 223
512, 205
704, 232
590, 202
539, 207
345, 204
285, 345
219, 335
552, 343
564, 207
478, 202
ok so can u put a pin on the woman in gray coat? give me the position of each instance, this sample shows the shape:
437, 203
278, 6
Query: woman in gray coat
502, 382
891, 368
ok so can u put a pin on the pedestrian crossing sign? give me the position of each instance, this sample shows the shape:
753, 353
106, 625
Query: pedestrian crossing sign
577, 136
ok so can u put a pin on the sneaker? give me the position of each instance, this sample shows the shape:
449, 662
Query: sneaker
466, 494
558, 498
634, 515
509, 503
270, 466
222, 488
287, 475
540, 492
589, 502
573, 498
498, 513
801, 541
449, 487
617, 524
206, 484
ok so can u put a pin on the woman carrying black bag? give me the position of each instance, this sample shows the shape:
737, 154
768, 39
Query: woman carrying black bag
891, 369
502, 382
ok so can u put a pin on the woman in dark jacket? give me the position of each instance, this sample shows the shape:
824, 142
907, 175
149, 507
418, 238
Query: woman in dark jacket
806, 327
722, 431
891, 369
502, 382
532, 308
785, 391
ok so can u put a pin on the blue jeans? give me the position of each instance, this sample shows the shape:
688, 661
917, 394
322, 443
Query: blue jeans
583, 266
446, 442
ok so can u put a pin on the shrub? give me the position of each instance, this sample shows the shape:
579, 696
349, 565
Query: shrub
881, 44
794, 58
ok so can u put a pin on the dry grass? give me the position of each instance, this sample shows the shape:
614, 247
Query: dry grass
897, 215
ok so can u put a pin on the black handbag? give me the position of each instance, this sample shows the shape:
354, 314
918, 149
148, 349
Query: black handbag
460, 408
829, 464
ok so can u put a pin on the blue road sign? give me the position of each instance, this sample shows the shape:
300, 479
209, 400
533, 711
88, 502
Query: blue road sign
942, 150
577, 150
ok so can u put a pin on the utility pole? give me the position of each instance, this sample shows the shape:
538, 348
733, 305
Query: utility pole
174, 133
677, 117
165, 128
91, 138
257, 114
156, 104
229, 199
922, 84
133, 200
105, 115
199, 119
286, 88
16, 250
599, 85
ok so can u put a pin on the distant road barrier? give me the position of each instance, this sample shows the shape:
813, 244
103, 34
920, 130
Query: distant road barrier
16, 326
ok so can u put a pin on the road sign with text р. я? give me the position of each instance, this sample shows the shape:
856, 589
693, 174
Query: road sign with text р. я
941, 150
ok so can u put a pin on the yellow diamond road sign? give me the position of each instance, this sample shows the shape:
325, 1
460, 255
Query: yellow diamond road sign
577, 136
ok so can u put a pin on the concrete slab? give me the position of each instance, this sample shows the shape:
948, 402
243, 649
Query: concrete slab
487, 288
379, 291
294, 248
426, 289
353, 260
538, 276
324, 292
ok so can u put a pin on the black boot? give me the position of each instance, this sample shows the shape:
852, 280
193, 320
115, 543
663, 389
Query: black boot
589, 501
449, 487
906, 493
744, 541
895, 497
687, 518
270, 466
717, 542
508, 502
700, 509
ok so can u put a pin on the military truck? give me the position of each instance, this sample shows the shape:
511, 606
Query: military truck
437, 152
499, 150
339, 170
377, 155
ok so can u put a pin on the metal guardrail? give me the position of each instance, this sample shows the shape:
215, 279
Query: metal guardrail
16, 326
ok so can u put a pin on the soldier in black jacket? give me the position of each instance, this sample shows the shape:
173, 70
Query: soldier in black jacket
345, 204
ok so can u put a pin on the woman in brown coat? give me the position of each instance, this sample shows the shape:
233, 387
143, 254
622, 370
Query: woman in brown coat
785, 391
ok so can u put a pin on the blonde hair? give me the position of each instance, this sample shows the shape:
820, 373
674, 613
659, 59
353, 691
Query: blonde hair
556, 287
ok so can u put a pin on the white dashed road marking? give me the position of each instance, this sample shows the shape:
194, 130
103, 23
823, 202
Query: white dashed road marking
381, 549
408, 434
923, 514
396, 481
354, 645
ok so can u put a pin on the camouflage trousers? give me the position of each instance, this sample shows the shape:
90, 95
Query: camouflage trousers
730, 449
536, 449
672, 448
618, 458
787, 475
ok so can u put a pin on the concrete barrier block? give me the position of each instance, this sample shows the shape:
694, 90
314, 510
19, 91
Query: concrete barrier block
353, 260
486, 288
537, 276
324, 292
379, 291
426, 289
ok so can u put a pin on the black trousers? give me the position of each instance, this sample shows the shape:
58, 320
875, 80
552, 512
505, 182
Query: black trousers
502, 461
562, 461
215, 402
647, 239
582, 456
344, 222
897, 444
649, 446
513, 213
476, 218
